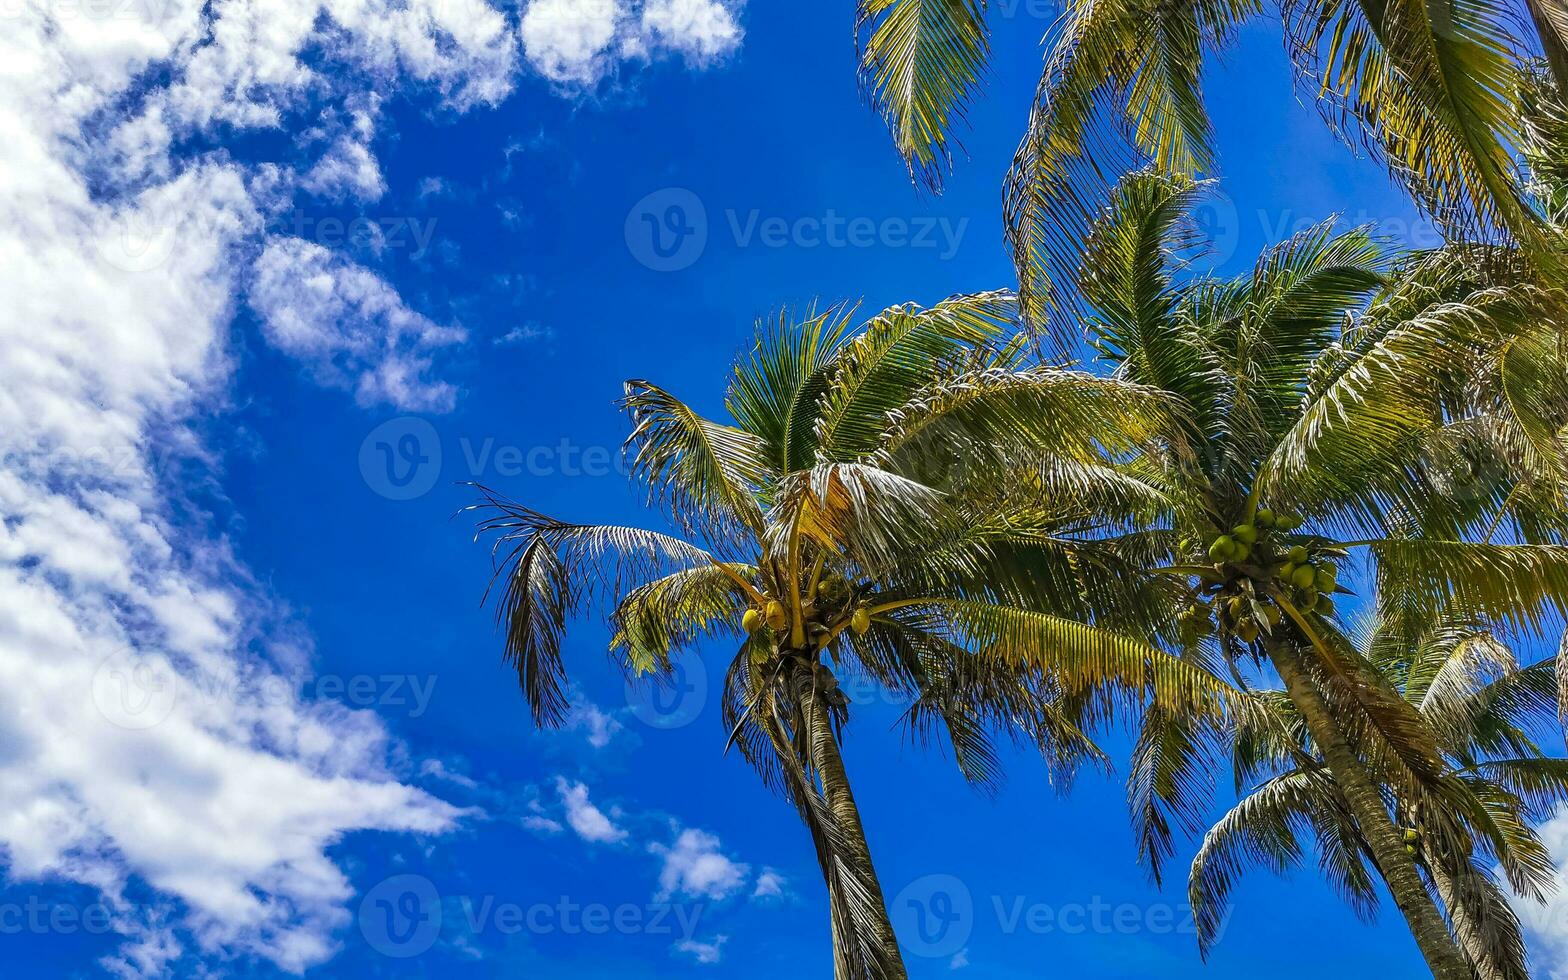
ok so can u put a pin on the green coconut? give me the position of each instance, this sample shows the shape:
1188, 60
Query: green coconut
751, 621
1245, 533
1325, 605
1327, 578
1298, 554
1264, 518
860, 620
1303, 577
775, 614
1222, 548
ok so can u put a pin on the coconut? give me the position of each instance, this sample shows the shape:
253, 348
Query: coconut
1245, 533
1298, 554
1327, 579
860, 620
1303, 577
1325, 605
1264, 518
775, 614
1222, 548
1248, 631
1273, 615
751, 621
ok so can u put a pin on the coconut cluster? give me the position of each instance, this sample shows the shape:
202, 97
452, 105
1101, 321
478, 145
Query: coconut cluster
1248, 558
833, 601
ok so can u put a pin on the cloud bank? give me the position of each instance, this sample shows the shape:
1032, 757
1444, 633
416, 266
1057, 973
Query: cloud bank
137, 755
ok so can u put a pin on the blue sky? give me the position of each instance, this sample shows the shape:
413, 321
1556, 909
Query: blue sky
286, 274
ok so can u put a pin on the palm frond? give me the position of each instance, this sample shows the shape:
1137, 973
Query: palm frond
706, 472
921, 62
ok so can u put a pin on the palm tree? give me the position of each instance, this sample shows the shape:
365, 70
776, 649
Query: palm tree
1428, 89
915, 501
1486, 712
1328, 415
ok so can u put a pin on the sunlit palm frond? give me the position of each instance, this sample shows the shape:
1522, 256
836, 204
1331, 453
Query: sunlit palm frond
921, 62
1430, 89
549, 570
672, 613
774, 392
1516, 584
896, 353
1120, 89
992, 420
708, 473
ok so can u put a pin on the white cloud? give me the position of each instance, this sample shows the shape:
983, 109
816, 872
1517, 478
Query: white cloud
1546, 925
436, 769
123, 259
578, 43
695, 866
348, 326
585, 819
570, 41
346, 171
770, 884
703, 31
704, 953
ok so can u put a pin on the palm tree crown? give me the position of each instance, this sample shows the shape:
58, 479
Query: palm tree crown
917, 501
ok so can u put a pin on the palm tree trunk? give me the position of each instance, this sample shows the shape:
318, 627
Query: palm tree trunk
1399, 870
1465, 927
829, 763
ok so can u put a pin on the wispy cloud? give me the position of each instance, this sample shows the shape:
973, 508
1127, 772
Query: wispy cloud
705, 953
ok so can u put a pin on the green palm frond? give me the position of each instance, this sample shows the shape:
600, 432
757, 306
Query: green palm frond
708, 473
867, 514
774, 392
1430, 89
1262, 829
1515, 584
549, 570
921, 62
1080, 656
899, 351
1120, 89
672, 613
1169, 782
982, 420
